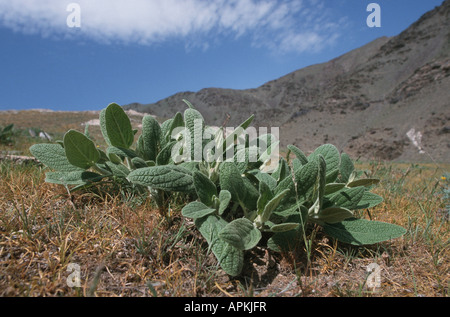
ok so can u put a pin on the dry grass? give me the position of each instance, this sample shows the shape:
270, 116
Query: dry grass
126, 250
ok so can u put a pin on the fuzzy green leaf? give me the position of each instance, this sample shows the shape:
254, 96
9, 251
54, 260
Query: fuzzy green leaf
120, 152
138, 162
80, 150
268, 179
168, 126
369, 200
165, 155
231, 180
333, 187
230, 258
53, 156
72, 178
363, 182
251, 194
241, 160
204, 187
281, 172
195, 124
298, 153
283, 227
334, 214
196, 209
348, 198
103, 129
168, 177
306, 177
224, 198
363, 232
118, 170
332, 158
151, 134
272, 205
265, 195
346, 168
241, 233
117, 126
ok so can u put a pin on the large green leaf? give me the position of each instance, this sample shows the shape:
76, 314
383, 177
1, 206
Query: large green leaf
196, 209
363, 182
139, 162
251, 194
168, 126
120, 152
268, 179
116, 126
272, 205
346, 168
369, 200
333, 187
118, 170
265, 195
80, 150
151, 134
224, 200
195, 124
241, 160
72, 178
281, 172
319, 190
348, 198
363, 232
241, 233
103, 129
168, 177
283, 227
53, 156
306, 178
298, 153
332, 158
165, 155
287, 183
231, 180
230, 258
204, 187
334, 215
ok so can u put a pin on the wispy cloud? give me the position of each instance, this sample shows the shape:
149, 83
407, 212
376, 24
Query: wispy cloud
284, 26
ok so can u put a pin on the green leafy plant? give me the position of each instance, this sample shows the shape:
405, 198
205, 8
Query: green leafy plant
235, 201
76, 162
238, 202
321, 188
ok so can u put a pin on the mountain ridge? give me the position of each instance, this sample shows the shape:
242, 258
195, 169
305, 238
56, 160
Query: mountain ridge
365, 101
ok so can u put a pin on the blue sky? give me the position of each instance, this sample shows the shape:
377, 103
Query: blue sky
144, 50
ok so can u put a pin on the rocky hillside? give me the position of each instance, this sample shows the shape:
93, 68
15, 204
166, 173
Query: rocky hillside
366, 102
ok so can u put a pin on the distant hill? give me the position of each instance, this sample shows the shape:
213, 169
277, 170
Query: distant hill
365, 102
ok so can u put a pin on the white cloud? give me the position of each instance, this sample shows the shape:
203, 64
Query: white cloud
295, 25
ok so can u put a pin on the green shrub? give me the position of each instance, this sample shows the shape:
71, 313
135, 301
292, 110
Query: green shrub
234, 199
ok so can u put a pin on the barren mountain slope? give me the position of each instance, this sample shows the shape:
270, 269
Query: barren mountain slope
365, 102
